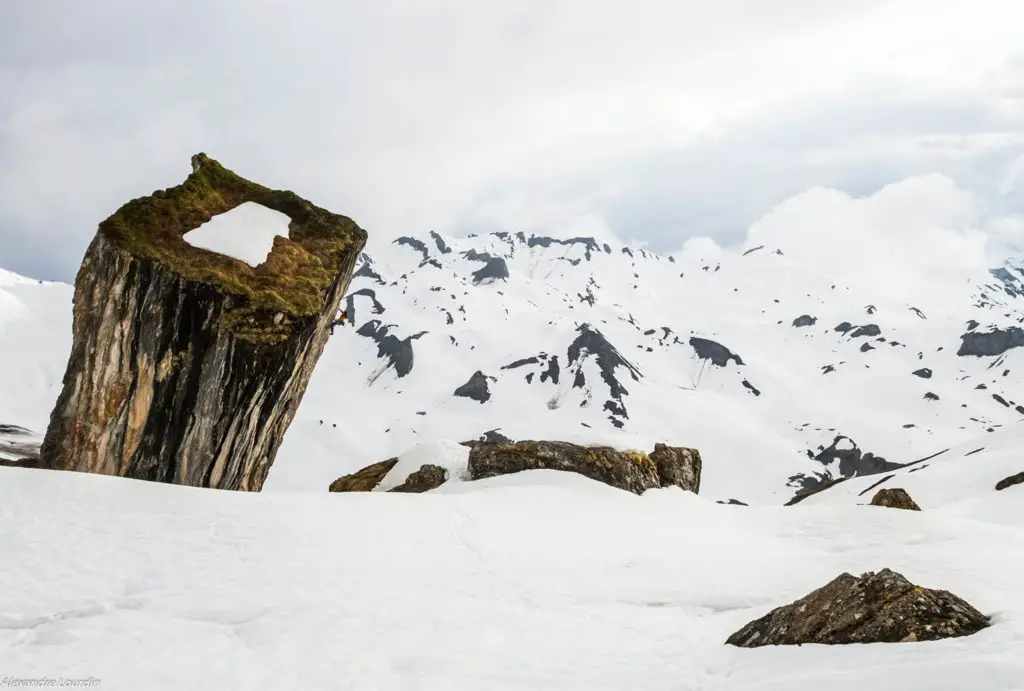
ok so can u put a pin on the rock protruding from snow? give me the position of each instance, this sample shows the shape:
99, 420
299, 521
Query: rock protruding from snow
677, 466
428, 477
633, 471
366, 480
894, 498
990, 343
882, 607
1017, 479
187, 366
476, 388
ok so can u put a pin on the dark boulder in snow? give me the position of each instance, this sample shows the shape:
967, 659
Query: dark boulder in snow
633, 471
428, 477
894, 498
805, 320
678, 466
882, 607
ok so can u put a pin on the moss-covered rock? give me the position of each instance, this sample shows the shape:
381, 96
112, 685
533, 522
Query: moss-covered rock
289, 285
366, 479
894, 498
633, 471
187, 366
882, 607
428, 477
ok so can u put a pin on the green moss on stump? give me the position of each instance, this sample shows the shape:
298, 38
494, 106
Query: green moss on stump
288, 286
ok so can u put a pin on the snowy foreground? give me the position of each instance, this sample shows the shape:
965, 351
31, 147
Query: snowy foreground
540, 580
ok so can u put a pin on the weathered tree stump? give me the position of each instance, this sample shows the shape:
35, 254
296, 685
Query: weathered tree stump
187, 366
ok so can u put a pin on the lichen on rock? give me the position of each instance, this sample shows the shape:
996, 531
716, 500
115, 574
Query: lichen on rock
290, 283
894, 498
882, 607
187, 366
633, 471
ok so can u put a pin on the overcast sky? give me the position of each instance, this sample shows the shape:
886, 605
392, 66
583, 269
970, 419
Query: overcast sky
654, 120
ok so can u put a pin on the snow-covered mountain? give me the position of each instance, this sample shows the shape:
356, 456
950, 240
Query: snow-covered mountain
779, 373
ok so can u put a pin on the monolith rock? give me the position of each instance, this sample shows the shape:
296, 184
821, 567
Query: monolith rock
187, 366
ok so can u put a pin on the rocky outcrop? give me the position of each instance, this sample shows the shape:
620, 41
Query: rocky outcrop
366, 479
187, 366
895, 498
633, 471
428, 477
882, 607
490, 456
677, 466
1017, 479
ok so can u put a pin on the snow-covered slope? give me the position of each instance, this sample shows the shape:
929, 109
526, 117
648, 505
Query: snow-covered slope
540, 580
780, 374
954, 478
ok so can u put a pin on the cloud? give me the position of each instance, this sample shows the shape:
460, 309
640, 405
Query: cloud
663, 119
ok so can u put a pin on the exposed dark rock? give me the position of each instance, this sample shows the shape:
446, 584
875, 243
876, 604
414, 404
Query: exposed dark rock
717, 353
442, 246
187, 366
476, 388
852, 461
677, 466
894, 498
523, 362
417, 245
494, 269
551, 372
990, 343
589, 244
493, 435
397, 351
1010, 481
930, 396
366, 479
753, 249
866, 330
875, 484
633, 471
812, 485
366, 270
1001, 400
924, 373
591, 342
350, 303
865, 347
805, 320
882, 607
844, 326
751, 388
428, 477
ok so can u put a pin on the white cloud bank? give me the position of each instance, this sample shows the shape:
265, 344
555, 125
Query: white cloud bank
661, 119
